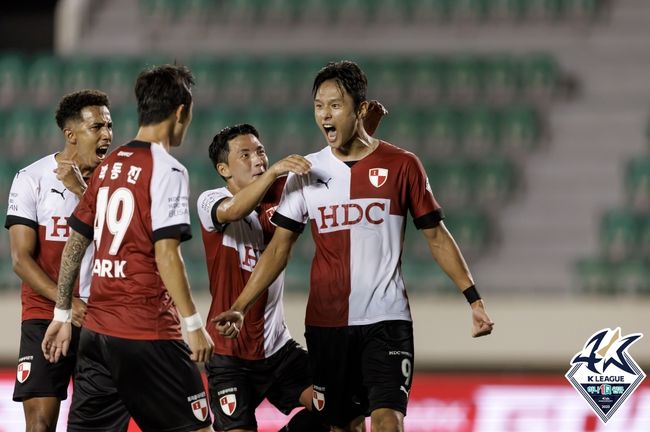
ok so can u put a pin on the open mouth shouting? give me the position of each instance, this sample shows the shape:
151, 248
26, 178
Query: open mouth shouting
101, 151
330, 132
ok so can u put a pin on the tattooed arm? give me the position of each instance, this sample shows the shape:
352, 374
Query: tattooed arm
57, 337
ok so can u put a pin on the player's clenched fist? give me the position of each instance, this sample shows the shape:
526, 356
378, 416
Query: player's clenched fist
229, 323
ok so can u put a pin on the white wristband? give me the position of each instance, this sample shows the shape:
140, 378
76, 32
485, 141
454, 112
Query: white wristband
62, 315
193, 322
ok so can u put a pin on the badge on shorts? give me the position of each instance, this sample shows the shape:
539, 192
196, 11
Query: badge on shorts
200, 409
377, 176
604, 373
228, 404
24, 368
319, 400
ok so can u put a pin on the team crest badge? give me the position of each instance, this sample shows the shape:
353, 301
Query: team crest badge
22, 373
319, 400
604, 373
200, 409
228, 404
377, 176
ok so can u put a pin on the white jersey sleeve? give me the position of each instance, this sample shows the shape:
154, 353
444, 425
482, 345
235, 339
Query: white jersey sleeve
205, 208
23, 199
169, 192
293, 204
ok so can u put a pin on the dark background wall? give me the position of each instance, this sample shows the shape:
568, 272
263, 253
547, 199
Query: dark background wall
27, 25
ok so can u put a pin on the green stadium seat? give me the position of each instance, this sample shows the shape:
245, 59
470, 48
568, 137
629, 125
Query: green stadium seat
240, 12
386, 78
479, 132
43, 83
392, 11
78, 73
539, 75
440, 133
464, 78
500, 79
352, 12
238, 83
595, 275
295, 133
205, 125
116, 76
633, 277
470, 228
206, 71
276, 82
494, 182
556, 9
451, 182
475, 10
49, 138
18, 133
125, 125
619, 233
519, 130
279, 12
644, 235
425, 83
402, 129
637, 183
12, 72
316, 12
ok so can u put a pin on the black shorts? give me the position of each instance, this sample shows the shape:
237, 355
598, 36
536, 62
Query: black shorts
238, 386
153, 381
35, 376
358, 369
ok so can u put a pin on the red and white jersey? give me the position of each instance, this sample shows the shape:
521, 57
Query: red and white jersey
231, 251
357, 216
137, 196
40, 201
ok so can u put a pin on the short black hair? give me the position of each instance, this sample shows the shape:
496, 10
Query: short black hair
161, 90
219, 147
349, 75
71, 105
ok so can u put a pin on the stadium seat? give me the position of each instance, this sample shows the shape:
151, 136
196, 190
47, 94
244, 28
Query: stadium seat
125, 125
451, 182
464, 75
501, 79
426, 80
387, 12
238, 82
519, 130
402, 128
385, 78
276, 81
43, 83
595, 276
619, 231
18, 133
470, 228
633, 277
78, 73
440, 133
479, 132
539, 74
12, 72
116, 76
493, 181
295, 133
637, 183
206, 70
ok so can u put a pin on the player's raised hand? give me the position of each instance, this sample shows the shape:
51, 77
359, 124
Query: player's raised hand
78, 311
229, 323
68, 173
481, 323
201, 345
373, 116
292, 163
56, 341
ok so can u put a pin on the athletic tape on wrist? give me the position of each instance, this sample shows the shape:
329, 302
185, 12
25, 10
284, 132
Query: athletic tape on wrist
471, 294
62, 315
193, 322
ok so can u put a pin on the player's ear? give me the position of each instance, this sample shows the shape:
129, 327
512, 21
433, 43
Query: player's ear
69, 135
362, 109
223, 170
182, 113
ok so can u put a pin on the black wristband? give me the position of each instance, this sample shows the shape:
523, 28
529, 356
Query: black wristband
471, 294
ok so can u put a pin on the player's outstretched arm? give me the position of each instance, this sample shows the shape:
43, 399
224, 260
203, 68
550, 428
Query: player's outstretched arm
271, 263
57, 337
445, 251
172, 272
245, 201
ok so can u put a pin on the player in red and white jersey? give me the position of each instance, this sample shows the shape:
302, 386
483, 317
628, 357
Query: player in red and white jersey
356, 198
132, 359
265, 362
43, 196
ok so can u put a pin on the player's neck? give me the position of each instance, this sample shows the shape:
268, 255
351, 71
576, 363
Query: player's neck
357, 148
159, 133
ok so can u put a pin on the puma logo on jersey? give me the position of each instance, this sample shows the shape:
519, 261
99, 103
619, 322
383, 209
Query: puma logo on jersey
176, 169
57, 192
324, 182
109, 268
404, 390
